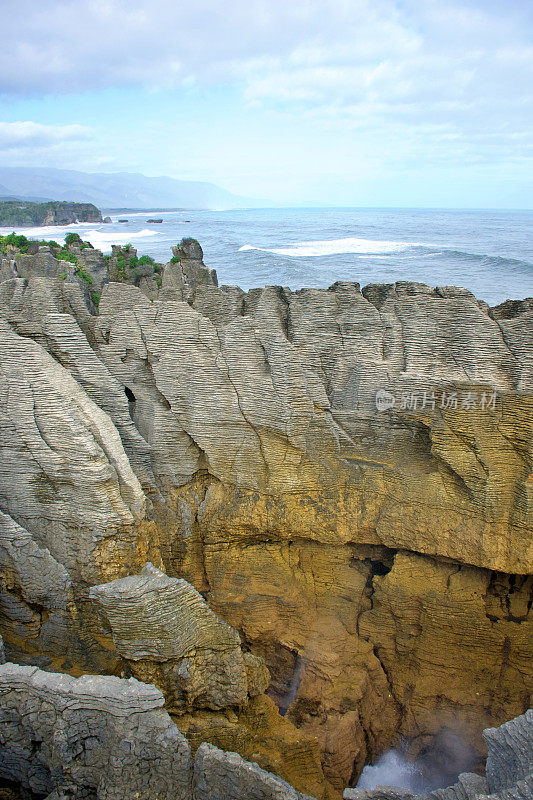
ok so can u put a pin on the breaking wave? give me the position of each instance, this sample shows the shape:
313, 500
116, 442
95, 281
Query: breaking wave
329, 247
104, 239
101, 239
49, 231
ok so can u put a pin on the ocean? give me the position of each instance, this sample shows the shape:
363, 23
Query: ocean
488, 252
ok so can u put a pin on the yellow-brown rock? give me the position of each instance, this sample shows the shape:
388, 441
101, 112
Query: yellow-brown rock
376, 557
260, 734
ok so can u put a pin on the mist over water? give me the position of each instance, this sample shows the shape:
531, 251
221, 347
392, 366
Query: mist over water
488, 252
438, 765
392, 769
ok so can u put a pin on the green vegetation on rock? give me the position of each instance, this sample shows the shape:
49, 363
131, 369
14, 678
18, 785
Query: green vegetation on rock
126, 267
17, 212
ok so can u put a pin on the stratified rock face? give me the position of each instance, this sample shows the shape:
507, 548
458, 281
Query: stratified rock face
110, 739
36, 603
226, 776
189, 264
168, 634
343, 474
94, 736
509, 770
510, 758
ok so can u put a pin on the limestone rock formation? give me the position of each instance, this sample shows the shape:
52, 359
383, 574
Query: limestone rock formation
169, 636
107, 738
510, 758
18, 212
36, 603
188, 267
93, 736
226, 776
344, 475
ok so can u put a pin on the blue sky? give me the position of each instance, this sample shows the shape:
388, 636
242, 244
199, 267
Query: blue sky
348, 102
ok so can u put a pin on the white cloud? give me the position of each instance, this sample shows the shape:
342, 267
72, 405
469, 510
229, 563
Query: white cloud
427, 81
20, 135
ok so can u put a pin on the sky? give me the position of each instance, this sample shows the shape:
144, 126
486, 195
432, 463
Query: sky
326, 102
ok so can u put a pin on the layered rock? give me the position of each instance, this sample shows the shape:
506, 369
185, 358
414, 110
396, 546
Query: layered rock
37, 602
110, 739
167, 635
234, 439
20, 212
95, 733
107, 738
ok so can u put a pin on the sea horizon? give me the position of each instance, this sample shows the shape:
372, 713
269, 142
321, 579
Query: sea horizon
488, 252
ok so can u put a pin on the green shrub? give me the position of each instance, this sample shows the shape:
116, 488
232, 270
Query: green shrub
16, 240
73, 238
64, 255
83, 275
63, 276
95, 297
175, 260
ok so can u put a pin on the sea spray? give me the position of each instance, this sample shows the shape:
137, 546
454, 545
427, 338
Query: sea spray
294, 685
437, 765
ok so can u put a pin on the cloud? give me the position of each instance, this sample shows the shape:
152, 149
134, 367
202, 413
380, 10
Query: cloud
427, 81
64, 46
32, 135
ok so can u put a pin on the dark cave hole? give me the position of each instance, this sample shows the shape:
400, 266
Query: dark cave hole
379, 568
129, 394
11, 790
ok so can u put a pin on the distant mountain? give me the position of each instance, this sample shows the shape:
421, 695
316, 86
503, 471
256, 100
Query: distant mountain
116, 189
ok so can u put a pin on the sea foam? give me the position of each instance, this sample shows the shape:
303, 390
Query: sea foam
328, 247
48, 231
102, 239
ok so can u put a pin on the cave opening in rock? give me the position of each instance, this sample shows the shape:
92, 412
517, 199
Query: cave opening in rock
12, 790
129, 394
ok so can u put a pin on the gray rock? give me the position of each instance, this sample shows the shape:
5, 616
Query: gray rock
168, 634
95, 266
193, 269
250, 425
226, 776
36, 599
510, 756
110, 739
100, 734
